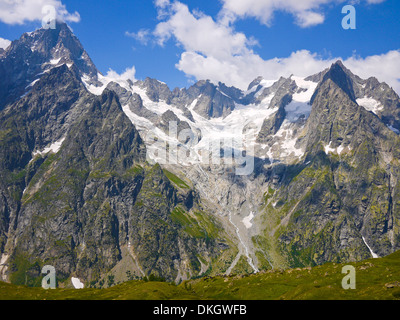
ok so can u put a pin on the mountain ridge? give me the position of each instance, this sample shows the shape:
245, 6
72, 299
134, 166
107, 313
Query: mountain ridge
109, 178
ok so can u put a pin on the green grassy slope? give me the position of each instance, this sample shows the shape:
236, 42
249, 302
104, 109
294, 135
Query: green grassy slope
375, 279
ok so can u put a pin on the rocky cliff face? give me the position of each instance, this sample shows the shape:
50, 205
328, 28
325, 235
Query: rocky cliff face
77, 194
80, 190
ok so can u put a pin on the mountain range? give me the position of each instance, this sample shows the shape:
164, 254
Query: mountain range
111, 179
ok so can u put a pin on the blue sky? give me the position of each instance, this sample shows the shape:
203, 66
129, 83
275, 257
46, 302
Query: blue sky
227, 40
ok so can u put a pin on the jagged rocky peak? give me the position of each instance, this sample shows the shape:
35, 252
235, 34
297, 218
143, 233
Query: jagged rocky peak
341, 76
255, 82
123, 94
335, 67
169, 117
155, 89
266, 87
55, 47
334, 91
374, 96
337, 114
35, 53
233, 92
211, 101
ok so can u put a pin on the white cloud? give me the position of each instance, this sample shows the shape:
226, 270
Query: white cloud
128, 74
162, 8
143, 35
214, 50
384, 67
306, 12
21, 11
309, 18
200, 33
4, 43
375, 1
162, 3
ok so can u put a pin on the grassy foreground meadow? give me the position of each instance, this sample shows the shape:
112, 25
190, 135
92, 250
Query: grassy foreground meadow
376, 279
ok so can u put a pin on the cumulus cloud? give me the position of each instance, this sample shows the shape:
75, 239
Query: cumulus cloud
22, 11
143, 35
200, 33
128, 74
307, 13
214, 50
4, 43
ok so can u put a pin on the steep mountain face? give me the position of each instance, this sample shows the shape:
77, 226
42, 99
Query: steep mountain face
31, 124
78, 194
109, 179
282, 97
325, 165
340, 204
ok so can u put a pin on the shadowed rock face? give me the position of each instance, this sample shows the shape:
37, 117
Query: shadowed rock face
338, 75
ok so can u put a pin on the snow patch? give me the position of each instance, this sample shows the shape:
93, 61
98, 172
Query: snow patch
77, 283
253, 89
247, 221
3, 260
300, 104
394, 129
338, 150
194, 103
370, 104
374, 255
329, 149
32, 83
308, 89
55, 61
96, 90
104, 80
54, 147
288, 145
223, 93
264, 84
